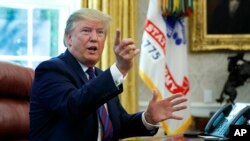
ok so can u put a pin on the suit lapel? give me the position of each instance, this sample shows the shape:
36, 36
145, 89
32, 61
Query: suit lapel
71, 61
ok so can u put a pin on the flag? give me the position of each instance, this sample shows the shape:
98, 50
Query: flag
163, 61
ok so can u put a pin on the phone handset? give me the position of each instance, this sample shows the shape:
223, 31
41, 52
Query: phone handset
218, 117
242, 117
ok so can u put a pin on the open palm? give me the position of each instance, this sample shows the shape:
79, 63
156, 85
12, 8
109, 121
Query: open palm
160, 110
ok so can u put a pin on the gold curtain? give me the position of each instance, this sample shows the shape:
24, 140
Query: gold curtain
123, 13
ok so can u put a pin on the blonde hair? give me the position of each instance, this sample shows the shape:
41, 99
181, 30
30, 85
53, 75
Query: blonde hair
85, 14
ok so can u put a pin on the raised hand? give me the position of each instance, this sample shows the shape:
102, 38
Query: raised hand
160, 110
125, 50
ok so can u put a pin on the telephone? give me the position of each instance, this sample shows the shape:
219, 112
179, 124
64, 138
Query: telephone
229, 114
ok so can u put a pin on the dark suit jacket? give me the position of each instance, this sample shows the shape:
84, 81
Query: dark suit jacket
64, 103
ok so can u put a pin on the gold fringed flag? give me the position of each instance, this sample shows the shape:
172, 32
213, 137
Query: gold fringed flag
163, 61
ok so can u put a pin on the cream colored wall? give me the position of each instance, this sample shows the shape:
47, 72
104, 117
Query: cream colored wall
206, 70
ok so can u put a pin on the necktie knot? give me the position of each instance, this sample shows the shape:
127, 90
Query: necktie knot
90, 71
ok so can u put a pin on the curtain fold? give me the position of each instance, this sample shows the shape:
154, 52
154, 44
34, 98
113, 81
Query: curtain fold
123, 13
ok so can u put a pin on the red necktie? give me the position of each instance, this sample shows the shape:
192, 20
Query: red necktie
104, 117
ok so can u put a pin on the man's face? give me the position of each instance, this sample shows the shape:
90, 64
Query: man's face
86, 41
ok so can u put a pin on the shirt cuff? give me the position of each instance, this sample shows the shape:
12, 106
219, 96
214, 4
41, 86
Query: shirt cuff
148, 125
117, 75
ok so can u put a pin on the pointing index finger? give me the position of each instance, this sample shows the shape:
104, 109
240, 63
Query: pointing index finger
117, 37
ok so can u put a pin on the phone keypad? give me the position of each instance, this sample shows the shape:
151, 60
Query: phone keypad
222, 129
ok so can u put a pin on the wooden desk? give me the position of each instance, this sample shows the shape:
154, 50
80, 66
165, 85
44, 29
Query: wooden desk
165, 138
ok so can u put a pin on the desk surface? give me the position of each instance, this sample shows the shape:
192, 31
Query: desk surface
165, 138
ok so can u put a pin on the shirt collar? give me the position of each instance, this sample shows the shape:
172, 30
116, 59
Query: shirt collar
84, 67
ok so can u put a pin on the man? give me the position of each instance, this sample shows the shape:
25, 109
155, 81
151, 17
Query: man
69, 91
